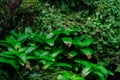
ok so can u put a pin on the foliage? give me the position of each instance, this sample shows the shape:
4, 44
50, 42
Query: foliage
98, 19
101, 21
51, 50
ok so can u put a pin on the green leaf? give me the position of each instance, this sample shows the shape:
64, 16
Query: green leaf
83, 63
31, 57
88, 52
46, 63
22, 37
22, 49
8, 61
11, 40
50, 42
86, 42
47, 57
61, 64
30, 49
67, 41
101, 69
8, 54
22, 56
82, 41
72, 54
78, 39
54, 54
41, 53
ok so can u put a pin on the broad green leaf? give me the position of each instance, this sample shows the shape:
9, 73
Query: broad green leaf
82, 41
88, 52
22, 56
22, 49
46, 63
54, 54
8, 54
22, 37
50, 42
43, 52
30, 49
67, 41
38, 38
11, 62
72, 54
37, 54
61, 64
47, 57
86, 42
11, 40
83, 63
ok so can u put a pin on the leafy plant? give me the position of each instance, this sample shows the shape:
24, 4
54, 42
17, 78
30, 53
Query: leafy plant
63, 48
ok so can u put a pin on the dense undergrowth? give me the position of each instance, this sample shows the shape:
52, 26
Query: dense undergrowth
60, 40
